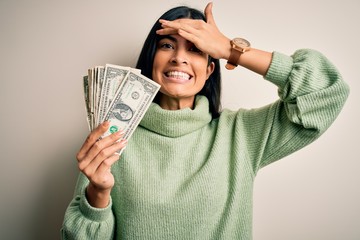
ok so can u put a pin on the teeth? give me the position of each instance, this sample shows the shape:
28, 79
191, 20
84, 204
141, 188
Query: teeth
179, 75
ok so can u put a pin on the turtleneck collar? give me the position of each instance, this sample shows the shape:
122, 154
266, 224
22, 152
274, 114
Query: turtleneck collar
176, 123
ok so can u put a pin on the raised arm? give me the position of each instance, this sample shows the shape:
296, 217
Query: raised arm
311, 90
208, 38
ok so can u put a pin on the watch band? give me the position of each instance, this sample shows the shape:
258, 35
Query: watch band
234, 57
238, 47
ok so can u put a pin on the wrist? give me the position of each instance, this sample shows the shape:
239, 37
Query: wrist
238, 47
227, 49
98, 198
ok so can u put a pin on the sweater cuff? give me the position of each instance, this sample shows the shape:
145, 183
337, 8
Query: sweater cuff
92, 213
279, 70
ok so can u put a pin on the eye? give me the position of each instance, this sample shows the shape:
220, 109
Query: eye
195, 49
166, 45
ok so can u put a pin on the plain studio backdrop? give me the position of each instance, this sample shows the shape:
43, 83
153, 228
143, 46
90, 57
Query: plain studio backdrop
47, 46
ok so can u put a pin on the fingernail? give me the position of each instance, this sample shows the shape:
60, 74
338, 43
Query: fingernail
106, 123
119, 133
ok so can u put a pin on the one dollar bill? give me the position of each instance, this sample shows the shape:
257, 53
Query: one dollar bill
131, 101
113, 77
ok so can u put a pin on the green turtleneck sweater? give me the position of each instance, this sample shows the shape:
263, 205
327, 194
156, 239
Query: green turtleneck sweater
185, 175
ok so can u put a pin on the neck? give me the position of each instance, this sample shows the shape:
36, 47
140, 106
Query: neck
170, 103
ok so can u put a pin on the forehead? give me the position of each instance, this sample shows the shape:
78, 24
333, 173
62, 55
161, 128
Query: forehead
175, 38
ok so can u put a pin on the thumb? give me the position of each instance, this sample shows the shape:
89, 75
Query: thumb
208, 13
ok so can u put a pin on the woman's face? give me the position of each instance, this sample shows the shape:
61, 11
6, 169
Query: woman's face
181, 69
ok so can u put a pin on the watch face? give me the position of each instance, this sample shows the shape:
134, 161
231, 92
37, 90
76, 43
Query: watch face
240, 42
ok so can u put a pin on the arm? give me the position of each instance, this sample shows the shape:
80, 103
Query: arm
208, 38
89, 215
312, 94
311, 90
83, 221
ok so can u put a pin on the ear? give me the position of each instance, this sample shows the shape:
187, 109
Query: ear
210, 70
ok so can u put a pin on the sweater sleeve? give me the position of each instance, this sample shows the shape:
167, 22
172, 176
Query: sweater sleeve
311, 95
82, 221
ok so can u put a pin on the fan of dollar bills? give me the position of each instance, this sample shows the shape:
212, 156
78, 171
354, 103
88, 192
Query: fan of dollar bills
120, 95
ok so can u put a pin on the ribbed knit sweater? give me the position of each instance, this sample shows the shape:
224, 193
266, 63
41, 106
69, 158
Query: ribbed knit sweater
185, 175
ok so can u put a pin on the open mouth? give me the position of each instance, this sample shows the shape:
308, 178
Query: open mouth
178, 75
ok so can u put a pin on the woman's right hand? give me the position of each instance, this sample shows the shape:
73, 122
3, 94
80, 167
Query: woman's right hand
95, 159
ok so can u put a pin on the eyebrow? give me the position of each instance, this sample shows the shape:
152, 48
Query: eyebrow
169, 37
173, 39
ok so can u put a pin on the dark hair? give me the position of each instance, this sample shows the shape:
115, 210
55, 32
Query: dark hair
212, 87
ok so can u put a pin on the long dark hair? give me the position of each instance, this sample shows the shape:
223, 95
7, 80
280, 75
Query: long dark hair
212, 87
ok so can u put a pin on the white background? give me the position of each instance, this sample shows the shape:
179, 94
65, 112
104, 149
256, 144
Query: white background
47, 46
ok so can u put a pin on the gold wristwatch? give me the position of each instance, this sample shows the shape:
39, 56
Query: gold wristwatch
238, 47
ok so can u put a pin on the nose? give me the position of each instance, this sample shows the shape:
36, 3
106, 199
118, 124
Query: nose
180, 57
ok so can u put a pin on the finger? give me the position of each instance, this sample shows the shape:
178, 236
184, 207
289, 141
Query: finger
188, 36
187, 31
92, 138
91, 167
167, 31
165, 24
183, 23
109, 151
98, 147
106, 164
208, 13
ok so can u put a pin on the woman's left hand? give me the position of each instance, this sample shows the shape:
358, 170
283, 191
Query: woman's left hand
205, 35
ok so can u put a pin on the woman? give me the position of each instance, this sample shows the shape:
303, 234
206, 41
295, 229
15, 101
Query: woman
188, 170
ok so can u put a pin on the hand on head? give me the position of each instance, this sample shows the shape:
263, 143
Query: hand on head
205, 35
